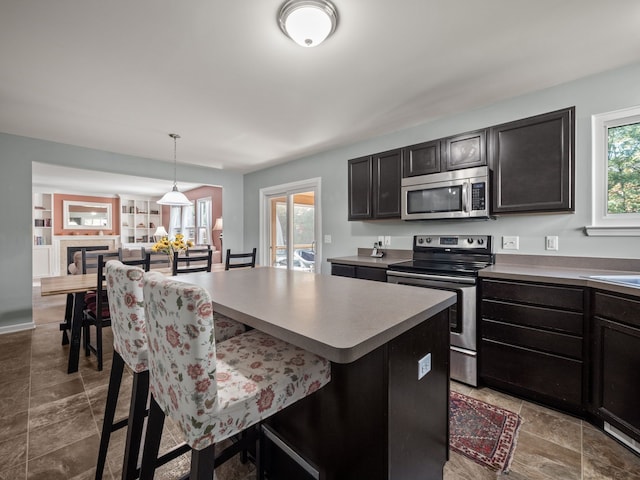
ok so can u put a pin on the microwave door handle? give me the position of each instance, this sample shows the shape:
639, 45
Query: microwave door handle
465, 197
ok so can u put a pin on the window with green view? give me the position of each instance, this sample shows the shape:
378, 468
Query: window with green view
623, 169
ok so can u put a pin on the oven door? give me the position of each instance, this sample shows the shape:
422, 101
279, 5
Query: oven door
462, 319
462, 315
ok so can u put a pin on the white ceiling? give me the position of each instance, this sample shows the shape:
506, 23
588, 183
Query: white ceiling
119, 75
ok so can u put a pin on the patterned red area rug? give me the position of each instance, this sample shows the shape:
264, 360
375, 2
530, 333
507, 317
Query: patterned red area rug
482, 432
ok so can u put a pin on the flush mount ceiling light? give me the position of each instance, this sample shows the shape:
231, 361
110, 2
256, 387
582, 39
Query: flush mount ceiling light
174, 197
308, 22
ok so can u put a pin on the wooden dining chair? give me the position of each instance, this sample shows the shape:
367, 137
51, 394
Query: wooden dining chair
214, 390
192, 260
142, 261
240, 260
96, 312
157, 259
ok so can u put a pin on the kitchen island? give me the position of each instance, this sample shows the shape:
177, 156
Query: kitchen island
376, 419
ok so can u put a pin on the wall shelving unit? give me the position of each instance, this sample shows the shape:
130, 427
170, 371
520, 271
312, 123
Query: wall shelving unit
139, 218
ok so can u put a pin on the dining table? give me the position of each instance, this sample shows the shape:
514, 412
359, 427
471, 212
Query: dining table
78, 286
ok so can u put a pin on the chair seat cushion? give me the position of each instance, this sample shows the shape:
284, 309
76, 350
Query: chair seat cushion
92, 308
257, 375
225, 328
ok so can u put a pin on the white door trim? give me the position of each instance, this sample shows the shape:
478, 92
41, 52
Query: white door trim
311, 184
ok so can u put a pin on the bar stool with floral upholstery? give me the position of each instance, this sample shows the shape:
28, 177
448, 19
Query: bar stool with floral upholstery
214, 390
124, 287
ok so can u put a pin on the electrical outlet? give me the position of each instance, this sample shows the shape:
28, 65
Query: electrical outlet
424, 365
551, 242
327, 239
511, 242
387, 240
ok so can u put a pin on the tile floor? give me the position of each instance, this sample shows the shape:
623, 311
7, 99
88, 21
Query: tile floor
50, 422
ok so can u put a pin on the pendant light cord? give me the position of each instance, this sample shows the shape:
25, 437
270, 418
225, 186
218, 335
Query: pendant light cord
175, 136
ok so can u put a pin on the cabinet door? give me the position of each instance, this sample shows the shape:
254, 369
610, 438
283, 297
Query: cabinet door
386, 191
616, 362
360, 188
465, 150
532, 163
421, 159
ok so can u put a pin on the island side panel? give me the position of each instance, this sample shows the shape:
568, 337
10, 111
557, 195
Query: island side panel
375, 419
419, 408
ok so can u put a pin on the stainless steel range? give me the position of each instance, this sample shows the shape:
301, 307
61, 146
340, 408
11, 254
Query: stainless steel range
451, 262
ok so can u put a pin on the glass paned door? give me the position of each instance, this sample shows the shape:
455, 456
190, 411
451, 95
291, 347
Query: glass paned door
292, 231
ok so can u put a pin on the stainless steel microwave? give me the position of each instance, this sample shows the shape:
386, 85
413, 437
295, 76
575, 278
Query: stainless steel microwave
455, 194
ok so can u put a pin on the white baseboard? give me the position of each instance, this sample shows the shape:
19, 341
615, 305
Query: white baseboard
17, 328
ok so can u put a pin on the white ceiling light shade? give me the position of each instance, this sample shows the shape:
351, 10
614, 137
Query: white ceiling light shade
174, 197
308, 22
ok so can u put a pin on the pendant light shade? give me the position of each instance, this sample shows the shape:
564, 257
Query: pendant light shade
174, 197
308, 22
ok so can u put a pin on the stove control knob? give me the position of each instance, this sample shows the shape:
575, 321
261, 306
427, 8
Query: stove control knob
420, 240
480, 241
469, 240
428, 239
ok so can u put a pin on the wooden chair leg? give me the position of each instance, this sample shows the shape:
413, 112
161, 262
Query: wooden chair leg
137, 410
99, 343
203, 463
115, 380
259, 453
86, 332
155, 423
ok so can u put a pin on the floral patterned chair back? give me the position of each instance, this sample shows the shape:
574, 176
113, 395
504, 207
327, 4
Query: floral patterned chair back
126, 304
182, 355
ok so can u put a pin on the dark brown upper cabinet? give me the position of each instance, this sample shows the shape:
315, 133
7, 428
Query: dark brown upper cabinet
421, 159
374, 186
532, 164
360, 188
465, 151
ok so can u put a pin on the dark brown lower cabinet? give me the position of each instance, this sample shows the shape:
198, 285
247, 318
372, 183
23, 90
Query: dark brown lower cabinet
358, 271
532, 341
616, 361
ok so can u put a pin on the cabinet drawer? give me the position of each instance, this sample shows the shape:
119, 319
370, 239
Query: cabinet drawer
343, 270
617, 308
550, 342
372, 273
547, 295
556, 378
533, 316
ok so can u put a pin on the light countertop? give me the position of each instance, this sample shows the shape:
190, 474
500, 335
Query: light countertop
339, 318
570, 271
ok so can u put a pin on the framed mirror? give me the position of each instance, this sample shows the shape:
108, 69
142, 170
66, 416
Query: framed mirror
86, 215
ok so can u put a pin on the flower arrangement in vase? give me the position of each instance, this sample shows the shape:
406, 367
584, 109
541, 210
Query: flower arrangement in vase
178, 244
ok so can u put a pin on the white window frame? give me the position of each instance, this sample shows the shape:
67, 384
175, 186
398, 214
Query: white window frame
603, 223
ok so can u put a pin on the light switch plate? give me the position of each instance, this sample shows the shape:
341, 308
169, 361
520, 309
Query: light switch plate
551, 242
424, 365
327, 239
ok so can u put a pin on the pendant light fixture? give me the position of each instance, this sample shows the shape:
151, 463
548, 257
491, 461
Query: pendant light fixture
308, 22
174, 197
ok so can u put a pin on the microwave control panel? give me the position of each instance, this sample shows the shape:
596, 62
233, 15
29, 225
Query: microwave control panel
478, 196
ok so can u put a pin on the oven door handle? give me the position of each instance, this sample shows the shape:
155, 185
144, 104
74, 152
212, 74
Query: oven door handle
426, 276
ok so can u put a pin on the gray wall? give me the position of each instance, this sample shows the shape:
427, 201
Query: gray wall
16, 155
601, 93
